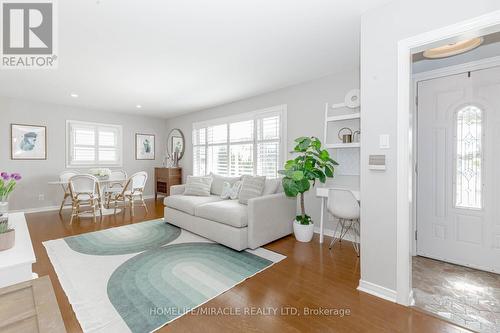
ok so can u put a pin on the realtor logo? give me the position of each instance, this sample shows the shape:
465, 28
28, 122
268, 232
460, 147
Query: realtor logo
28, 34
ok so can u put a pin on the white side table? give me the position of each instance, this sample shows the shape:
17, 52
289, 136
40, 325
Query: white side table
15, 263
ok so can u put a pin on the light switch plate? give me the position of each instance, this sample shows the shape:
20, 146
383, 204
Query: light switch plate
383, 141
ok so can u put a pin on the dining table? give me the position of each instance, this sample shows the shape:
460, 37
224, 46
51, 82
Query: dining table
103, 183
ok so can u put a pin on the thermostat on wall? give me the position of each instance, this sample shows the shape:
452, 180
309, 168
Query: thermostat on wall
376, 162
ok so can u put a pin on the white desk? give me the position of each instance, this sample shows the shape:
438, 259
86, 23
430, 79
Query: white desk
322, 192
15, 263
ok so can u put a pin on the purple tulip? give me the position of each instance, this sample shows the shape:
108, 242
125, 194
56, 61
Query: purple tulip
16, 176
5, 175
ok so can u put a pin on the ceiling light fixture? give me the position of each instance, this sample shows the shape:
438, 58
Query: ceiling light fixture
139, 106
74, 95
452, 49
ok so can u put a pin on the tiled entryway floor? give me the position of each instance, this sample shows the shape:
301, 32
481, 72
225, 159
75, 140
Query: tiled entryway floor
465, 296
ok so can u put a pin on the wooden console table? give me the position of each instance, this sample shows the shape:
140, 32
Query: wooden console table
166, 177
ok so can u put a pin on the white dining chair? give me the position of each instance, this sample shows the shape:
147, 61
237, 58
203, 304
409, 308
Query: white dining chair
84, 190
343, 205
64, 179
116, 182
134, 188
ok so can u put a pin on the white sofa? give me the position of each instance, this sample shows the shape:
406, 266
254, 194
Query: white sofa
230, 223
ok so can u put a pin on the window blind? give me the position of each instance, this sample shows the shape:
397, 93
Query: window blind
251, 143
91, 144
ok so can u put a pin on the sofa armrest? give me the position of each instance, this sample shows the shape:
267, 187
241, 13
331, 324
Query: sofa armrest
270, 217
177, 189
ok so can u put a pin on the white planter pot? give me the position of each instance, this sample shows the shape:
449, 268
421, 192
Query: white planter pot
303, 232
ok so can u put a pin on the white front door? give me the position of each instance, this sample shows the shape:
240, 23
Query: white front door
458, 169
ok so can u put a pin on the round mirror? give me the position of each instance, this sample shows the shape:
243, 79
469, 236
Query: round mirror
175, 143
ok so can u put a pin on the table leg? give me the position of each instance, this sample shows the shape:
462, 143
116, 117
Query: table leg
321, 223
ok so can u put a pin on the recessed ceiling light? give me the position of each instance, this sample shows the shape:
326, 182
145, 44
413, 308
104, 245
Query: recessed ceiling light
74, 95
452, 49
139, 106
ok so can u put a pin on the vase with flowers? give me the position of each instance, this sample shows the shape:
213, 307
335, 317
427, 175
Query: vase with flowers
7, 184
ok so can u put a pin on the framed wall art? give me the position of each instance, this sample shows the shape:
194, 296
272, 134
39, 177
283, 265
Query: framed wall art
144, 146
28, 142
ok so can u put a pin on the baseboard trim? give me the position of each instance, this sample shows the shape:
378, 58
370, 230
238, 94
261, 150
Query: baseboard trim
52, 208
331, 232
376, 290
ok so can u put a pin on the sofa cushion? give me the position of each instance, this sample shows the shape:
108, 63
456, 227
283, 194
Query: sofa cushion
251, 187
188, 203
218, 183
198, 186
235, 190
271, 186
229, 212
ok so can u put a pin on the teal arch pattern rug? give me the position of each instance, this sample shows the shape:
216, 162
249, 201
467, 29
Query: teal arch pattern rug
139, 277
159, 285
131, 238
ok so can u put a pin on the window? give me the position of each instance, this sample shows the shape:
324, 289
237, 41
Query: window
251, 143
91, 144
468, 178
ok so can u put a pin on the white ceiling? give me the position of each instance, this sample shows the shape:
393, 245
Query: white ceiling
177, 56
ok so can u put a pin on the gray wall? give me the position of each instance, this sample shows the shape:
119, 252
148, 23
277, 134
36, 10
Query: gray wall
381, 29
305, 114
36, 174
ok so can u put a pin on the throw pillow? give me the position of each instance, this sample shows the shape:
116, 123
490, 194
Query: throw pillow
235, 190
271, 186
251, 187
199, 186
226, 191
218, 183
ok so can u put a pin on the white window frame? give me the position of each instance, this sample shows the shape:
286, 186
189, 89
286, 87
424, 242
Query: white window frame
95, 163
280, 110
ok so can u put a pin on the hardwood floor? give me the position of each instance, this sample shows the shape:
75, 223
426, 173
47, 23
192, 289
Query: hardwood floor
310, 277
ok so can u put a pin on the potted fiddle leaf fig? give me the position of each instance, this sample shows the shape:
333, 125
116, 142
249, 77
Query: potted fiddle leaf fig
312, 163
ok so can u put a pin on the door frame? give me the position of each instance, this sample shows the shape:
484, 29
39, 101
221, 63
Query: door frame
405, 211
471, 66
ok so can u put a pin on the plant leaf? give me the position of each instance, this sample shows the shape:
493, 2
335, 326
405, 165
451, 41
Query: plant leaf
319, 174
324, 155
290, 187
290, 164
328, 171
297, 175
304, 144
303, 185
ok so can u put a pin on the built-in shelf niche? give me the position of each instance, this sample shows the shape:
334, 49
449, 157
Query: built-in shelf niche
338, 116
